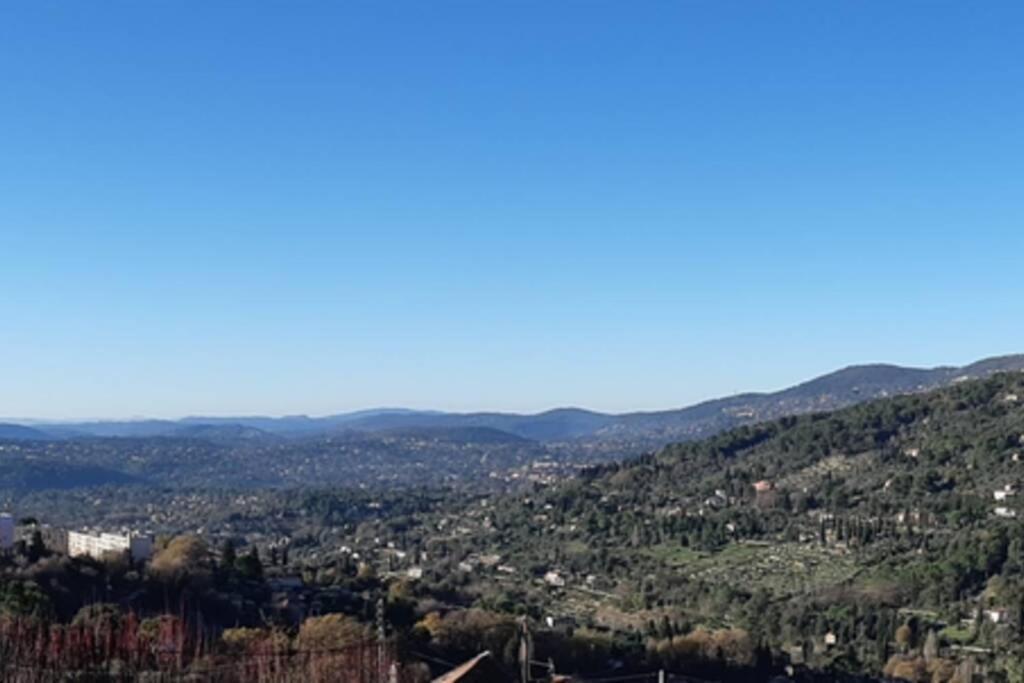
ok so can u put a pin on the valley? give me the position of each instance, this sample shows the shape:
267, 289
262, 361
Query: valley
877, 538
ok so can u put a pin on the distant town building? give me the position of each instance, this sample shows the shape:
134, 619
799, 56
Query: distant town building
138, 546
563, 624
555, 579
6, 532
762, 486
715, 502
1004, 493
996, 616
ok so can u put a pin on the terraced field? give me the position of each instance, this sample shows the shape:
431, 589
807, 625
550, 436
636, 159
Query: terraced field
780, 568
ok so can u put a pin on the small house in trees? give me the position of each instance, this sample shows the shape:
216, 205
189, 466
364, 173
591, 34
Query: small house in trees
1006, 492
555, 579
715, 502
762, 486
562, 624
996, 616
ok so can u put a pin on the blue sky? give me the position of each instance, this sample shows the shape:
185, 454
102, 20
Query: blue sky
227, 207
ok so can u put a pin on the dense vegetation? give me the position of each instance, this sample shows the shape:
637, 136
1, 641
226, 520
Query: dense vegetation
822, 535
880, 539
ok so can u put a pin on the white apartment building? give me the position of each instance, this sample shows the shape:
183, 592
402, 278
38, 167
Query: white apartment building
6, 532
138, 546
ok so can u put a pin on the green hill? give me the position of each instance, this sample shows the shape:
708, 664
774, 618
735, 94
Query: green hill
849, 523
21, 432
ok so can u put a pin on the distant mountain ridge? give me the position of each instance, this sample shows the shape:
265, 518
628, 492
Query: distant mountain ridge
839, 389
552, 425
18, 432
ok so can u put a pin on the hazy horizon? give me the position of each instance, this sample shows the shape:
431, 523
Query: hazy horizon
42, 420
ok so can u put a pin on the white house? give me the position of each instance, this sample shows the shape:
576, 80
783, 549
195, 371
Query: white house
138, 546
996, 616
555, 579
1005, 512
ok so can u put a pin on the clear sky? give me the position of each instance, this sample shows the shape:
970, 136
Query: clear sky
310, 207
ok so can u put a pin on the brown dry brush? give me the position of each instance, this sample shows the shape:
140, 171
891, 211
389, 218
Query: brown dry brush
33, 650
266, 662
165, 649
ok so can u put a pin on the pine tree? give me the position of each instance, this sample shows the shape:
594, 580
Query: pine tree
228, 556
249, 565
36, 548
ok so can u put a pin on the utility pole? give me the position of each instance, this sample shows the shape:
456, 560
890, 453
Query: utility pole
525, 651
382, 668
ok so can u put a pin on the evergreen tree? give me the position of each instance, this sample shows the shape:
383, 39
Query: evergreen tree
249, 565
36, 548
228, 556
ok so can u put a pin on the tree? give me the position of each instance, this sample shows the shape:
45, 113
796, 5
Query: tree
24, 598
884, 635
228, 555
904, 635
183, 557
98, 615
337, 646
912, 669
36, 547
330, 632
255, 641
249, 565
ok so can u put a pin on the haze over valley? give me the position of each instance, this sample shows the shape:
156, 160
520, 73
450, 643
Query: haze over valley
395, 447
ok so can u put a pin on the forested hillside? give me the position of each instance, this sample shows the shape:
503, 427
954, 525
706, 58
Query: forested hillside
882, 535
884, 538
